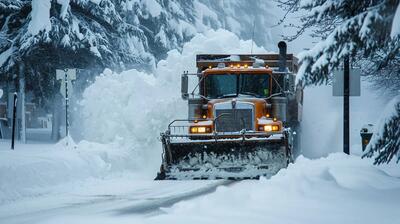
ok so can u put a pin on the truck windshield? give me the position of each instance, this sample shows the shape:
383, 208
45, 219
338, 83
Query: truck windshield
231, 85
219, 86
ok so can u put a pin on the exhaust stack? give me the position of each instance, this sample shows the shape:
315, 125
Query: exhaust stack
282, 56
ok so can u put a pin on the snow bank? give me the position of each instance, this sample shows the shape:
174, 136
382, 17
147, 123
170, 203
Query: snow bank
336, 189
40, 17
332, 190
35, 169
133, 107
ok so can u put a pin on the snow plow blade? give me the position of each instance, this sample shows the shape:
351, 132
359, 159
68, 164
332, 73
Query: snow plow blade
223, 158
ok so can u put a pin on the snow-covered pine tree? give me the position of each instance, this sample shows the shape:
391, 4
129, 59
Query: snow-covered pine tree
45, 35
360, 30
347, 28
94, 34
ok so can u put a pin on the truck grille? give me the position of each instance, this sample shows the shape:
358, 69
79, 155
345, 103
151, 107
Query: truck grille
234, 120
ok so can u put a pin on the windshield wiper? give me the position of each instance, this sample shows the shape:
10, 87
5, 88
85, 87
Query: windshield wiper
250, 93
226, 95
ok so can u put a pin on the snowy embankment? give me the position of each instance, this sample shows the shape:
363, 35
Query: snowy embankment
39, 169
336, 189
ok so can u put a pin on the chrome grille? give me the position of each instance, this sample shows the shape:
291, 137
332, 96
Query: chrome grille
234, 120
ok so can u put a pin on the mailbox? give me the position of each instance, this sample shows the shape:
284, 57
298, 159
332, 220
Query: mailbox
366, 134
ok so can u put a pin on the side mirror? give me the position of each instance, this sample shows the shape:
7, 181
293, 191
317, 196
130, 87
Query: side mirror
184, 86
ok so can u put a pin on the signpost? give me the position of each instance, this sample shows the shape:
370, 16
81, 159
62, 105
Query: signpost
66, 76
346, 106
346, 83
13, 120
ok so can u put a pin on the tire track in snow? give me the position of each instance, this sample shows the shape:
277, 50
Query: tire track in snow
157, 203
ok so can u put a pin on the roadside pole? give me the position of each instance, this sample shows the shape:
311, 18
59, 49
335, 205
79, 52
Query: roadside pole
346, 83
66, 76
346, 106
13, 122
66, 103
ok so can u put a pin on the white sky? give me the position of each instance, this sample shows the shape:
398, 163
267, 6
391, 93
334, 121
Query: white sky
296, 46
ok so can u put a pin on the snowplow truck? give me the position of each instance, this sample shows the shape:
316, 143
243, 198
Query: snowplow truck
244, 114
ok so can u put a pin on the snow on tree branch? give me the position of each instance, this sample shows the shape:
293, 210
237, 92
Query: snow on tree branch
385, 142
364, 28
40, 17
396, 24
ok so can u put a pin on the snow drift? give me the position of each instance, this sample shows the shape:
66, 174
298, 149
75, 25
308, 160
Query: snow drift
332, 190
38, 169
336, 189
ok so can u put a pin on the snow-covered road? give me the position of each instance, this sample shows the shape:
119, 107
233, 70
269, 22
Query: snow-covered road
118, 196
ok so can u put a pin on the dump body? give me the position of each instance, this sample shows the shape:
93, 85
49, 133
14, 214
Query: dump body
243, 116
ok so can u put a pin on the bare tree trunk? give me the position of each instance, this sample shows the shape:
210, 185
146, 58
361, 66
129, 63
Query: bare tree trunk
56, 122
22, 100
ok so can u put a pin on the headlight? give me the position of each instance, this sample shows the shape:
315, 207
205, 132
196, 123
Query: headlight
200, 129
269, 127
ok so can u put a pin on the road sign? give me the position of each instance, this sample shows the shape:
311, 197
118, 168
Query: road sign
66, 76
338, 82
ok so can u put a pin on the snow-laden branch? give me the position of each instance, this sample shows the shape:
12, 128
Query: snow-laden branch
396, 24
364, 29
